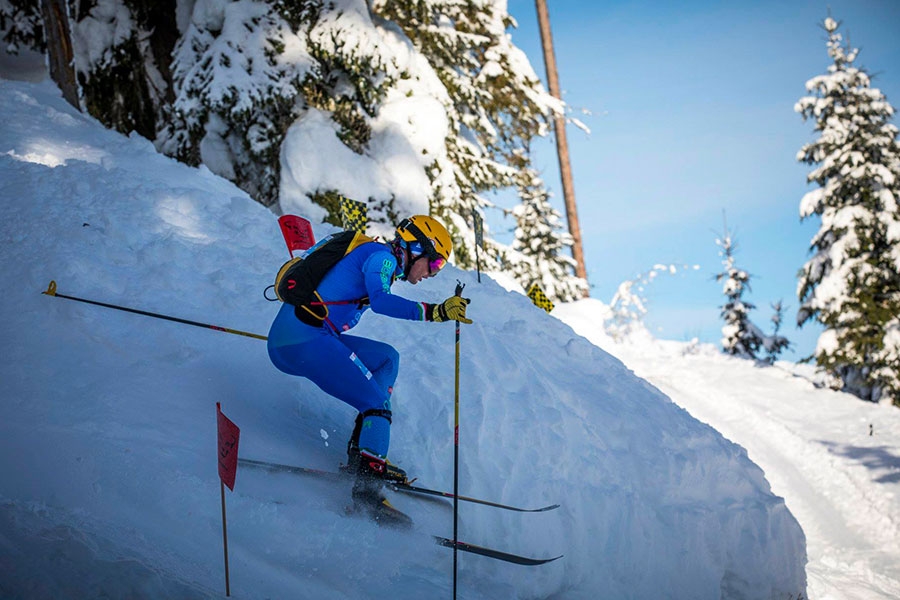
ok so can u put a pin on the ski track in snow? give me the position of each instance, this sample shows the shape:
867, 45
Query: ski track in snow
851, 526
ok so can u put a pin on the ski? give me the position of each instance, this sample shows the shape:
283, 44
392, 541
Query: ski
270, 466
405, 488
426, 494
412, 489
491, 553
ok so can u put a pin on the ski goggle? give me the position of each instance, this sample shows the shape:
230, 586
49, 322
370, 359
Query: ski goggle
436, 264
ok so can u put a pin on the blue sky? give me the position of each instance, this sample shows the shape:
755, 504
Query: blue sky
691, 115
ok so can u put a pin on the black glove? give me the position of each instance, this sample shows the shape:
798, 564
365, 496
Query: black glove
451, 309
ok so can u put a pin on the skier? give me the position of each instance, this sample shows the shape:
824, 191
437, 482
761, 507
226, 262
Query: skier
356, 370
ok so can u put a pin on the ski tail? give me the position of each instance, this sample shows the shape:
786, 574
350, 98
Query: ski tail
495, 554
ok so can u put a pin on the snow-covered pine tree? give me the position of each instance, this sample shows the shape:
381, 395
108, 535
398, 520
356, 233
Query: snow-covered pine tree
540, 240
238, 72
775, 344
122, 50
388, 107
301, 103
740, 337
496, 104
21, 26
852, 282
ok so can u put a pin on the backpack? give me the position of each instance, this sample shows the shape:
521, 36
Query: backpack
298, 278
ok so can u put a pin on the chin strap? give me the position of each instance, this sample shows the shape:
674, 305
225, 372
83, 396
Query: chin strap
401, 253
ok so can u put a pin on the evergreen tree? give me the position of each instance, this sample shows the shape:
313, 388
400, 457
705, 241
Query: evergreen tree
21, 26
373, 83
740, 336
851, 284
122, 50
540, 240
775, 344
250, 72
239, 71
496, 106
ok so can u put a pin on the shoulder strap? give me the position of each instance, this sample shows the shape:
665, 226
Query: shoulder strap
359, 239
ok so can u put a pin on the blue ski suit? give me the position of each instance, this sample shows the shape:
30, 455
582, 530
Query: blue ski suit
359, 371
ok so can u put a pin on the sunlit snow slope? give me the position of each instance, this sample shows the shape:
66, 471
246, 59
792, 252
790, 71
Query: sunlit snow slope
834, 458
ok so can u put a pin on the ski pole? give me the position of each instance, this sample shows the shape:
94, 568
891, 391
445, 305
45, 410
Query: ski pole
51, 291
459, 289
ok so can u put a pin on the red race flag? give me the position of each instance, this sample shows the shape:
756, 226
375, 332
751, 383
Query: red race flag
297, 232
229, 435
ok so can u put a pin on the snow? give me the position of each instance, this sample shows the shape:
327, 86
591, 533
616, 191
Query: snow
108, 24
408, 131
109, 486
815, 446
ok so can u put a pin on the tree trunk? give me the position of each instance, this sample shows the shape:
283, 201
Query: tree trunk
562, 145
59, 48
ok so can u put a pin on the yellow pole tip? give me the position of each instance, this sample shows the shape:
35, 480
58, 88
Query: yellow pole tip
51, 290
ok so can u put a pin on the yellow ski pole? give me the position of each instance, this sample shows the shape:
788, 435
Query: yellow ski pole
459, 289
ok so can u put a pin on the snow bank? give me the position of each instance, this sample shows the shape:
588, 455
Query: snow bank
109, 486
835, 459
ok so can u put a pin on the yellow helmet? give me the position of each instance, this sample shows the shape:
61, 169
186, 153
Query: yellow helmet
429, 233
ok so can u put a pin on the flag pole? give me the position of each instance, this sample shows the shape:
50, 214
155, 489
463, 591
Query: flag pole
228, 435
225, 539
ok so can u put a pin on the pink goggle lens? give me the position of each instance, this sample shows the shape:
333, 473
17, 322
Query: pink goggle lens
437, 264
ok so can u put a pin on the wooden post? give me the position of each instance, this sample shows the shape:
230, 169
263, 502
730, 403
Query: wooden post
562, 145
479, 240
59, 48
225, 540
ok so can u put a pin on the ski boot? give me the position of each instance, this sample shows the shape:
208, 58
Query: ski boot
375, 467
368, 496
369, 464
